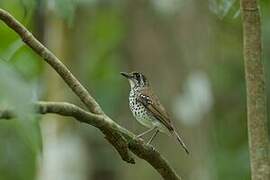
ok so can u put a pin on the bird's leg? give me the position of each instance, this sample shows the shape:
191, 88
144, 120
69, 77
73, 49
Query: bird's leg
146, 132
153, 136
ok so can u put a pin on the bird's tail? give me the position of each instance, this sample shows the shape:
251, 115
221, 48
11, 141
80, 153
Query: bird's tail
179, 139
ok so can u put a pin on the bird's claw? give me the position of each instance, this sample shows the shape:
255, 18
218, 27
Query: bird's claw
139, 139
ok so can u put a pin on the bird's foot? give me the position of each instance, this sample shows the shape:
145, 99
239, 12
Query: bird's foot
139, 139
150, 146
149, 143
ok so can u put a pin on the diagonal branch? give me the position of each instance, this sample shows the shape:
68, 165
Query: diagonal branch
106, 125
67, 76
51, 59
122, 139
114, 134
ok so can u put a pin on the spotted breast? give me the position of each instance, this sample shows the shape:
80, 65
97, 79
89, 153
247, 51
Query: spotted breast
139, 111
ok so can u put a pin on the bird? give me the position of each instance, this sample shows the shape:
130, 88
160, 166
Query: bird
147, 109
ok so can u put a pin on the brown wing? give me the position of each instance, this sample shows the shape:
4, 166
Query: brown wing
152, 104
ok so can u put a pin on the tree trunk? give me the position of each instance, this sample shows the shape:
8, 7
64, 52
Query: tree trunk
256, 95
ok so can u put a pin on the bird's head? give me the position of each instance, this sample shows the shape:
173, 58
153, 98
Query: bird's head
136, 79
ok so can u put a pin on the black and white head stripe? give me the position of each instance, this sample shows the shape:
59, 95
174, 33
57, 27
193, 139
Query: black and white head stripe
140, 79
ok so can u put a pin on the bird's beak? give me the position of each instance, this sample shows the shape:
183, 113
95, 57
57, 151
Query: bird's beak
127, 75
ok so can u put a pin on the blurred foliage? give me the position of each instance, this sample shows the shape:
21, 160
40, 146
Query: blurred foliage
169, 40
223, 8
64, 8
18, 159
20, 138
107, 32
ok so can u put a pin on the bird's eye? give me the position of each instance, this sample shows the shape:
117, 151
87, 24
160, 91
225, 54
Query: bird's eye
137, 76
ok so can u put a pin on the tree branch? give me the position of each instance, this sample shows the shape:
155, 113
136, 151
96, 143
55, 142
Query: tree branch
101, 122
51, 59
113, 132
256, 93
67, 76
122, 139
